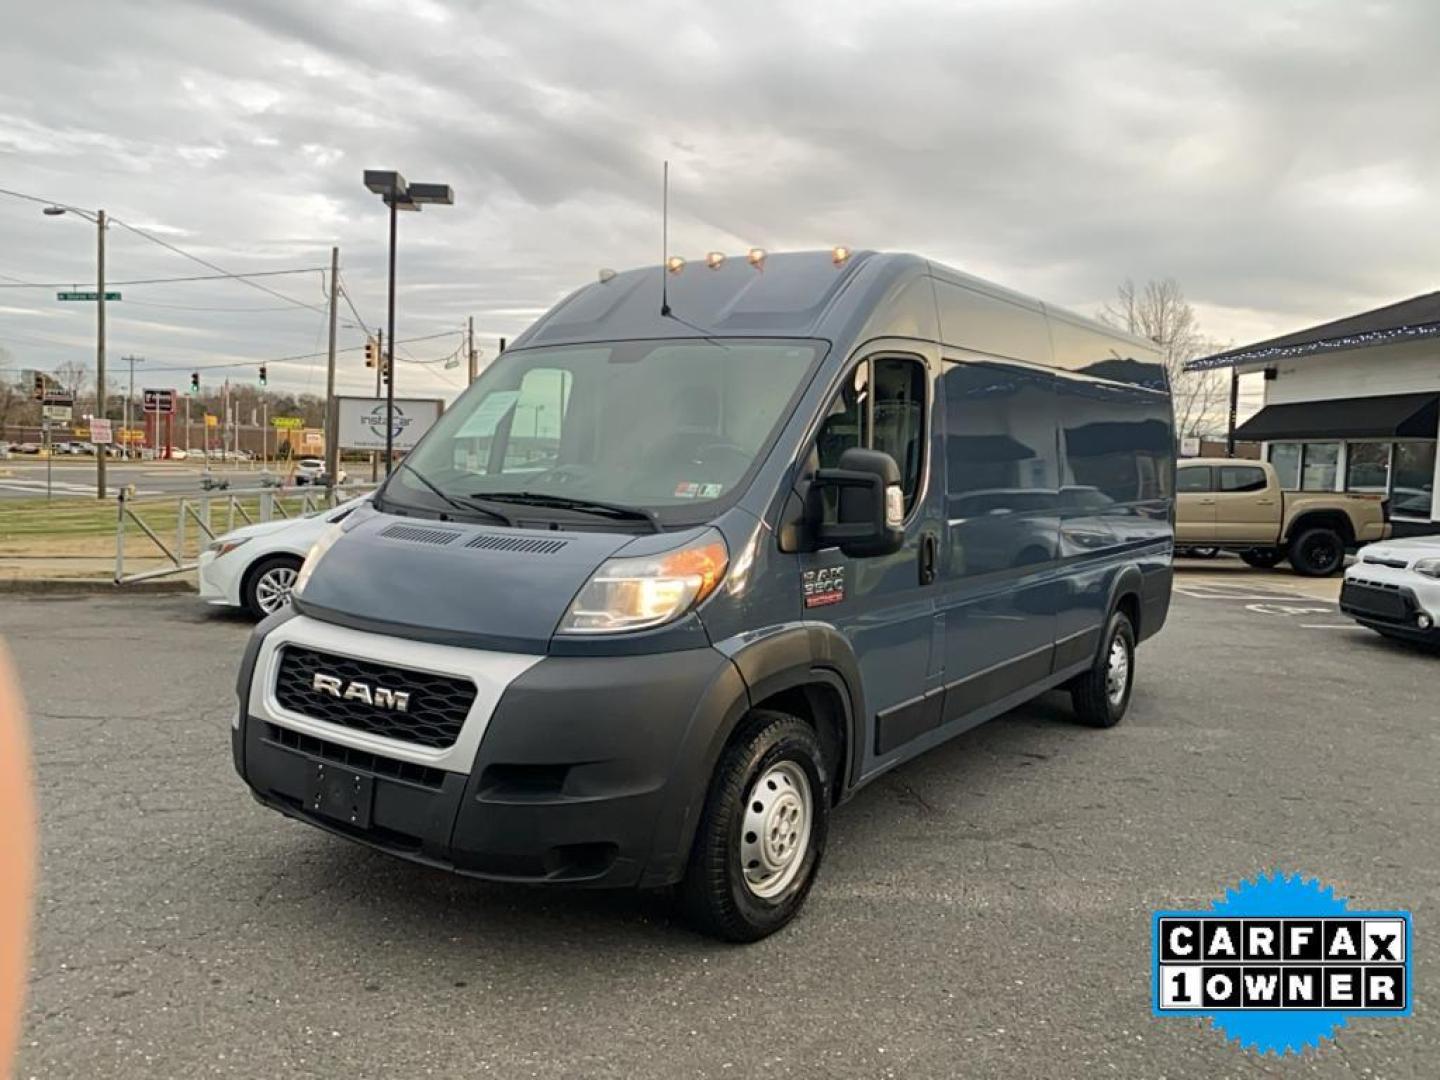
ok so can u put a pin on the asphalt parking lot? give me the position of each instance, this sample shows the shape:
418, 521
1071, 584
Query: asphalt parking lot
983, 911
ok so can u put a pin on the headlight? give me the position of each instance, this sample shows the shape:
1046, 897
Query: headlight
1428, 567
317, 552
633, 594
224, 546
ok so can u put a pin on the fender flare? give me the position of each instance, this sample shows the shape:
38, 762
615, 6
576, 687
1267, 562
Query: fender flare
807, 654
1129, 580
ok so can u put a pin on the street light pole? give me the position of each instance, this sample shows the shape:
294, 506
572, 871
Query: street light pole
390, 364
399, 195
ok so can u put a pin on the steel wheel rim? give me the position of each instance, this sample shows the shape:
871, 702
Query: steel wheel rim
1117, 671
775, 832
272, 590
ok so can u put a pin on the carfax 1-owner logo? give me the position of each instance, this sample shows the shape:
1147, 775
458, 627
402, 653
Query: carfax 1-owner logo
1281, 963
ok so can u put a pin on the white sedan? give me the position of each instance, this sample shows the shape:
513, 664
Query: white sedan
1394, 588
255, 567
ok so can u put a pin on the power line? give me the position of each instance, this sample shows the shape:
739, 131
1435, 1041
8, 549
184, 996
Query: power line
219, 269
18, 283
351, 305
169, 247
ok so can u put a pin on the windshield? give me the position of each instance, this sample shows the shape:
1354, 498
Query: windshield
662, 426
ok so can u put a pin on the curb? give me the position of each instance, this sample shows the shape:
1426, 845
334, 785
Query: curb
84, 586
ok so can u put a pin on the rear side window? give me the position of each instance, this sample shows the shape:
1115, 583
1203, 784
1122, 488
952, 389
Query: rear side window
1194, 478
1241, 478
880, 407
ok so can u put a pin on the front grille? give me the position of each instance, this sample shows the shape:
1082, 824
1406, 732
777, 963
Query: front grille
351, 758
1375, 599
434, 715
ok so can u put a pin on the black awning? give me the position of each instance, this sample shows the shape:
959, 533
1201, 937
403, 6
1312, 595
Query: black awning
1389, 417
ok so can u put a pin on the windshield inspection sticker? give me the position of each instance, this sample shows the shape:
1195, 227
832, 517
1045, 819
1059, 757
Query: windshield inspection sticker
1280, 963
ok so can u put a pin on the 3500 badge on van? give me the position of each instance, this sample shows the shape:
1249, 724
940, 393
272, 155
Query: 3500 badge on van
824, 585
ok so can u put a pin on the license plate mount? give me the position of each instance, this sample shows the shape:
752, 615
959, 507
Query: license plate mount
340, 794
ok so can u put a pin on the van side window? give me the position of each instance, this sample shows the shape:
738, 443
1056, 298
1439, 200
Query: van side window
1001, 466
1116, 440
1193, 478
1241, 478
891, 418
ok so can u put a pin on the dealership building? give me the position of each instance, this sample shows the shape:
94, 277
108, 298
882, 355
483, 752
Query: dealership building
1353, 405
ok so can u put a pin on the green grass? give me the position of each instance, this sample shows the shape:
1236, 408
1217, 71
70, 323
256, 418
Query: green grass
28, 525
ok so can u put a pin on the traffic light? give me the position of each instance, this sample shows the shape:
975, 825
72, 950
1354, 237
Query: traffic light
194, 382
372, 352
262, 375
39, 391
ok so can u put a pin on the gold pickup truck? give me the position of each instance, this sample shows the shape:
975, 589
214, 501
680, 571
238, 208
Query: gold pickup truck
1238, 505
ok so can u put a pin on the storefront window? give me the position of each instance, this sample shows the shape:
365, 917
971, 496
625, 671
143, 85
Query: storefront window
1367, 467
1285, 456
1317, 472
1414, 476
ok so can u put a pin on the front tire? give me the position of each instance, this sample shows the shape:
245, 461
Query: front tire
762, 834
1318, 552
268, 583
1101, 695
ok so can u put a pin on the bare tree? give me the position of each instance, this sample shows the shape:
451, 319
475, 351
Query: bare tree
1159, 311
72, 375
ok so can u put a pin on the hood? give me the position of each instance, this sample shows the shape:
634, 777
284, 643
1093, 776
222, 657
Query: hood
265, 528
476, 585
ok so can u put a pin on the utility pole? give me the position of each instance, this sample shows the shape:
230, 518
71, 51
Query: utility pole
100, 451
332, 412
130, 393
1234, 407
470, 347
187, 425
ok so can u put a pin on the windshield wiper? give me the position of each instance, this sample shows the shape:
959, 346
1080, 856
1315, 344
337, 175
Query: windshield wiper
464, 508
572, 502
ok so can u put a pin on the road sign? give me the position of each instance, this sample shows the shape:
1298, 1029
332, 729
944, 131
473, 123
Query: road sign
289, 423
101, 432
86, 295
60, 413
211, 420
159, 401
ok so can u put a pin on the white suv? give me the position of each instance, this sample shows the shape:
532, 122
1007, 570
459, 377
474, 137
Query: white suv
1394, 588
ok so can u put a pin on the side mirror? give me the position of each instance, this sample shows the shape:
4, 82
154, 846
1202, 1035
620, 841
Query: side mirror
869, 501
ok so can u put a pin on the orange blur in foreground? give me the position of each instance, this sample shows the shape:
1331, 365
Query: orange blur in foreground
17, 860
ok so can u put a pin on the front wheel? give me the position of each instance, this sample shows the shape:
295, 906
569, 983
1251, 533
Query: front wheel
1317, 552
268, 584
762, 834
1101, 695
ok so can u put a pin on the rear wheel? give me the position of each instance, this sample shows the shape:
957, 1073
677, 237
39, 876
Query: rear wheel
1263, 558
268, 584
1317, 552
1101, 695
762, 834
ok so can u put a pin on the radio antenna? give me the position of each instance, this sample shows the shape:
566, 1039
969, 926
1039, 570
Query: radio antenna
665, 240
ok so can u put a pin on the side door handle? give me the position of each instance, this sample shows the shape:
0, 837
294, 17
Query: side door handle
928, 550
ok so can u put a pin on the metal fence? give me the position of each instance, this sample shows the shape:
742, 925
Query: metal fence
195, 520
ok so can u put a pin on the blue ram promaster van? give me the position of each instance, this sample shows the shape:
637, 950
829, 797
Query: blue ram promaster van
703, 553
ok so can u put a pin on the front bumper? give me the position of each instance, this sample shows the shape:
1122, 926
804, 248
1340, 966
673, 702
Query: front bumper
218, 583
584, 770
1392, 598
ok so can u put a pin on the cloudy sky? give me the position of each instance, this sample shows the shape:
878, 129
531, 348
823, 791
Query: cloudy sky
1277, 159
